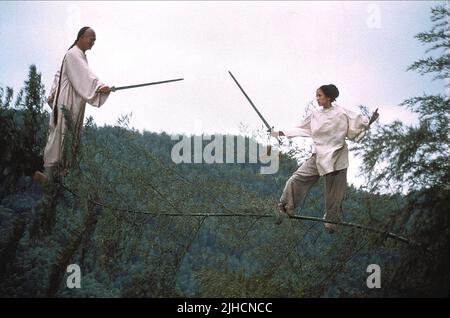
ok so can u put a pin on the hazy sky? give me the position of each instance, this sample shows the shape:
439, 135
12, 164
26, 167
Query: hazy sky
279, 51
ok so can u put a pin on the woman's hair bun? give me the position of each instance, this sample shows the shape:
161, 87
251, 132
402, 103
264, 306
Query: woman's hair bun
330, 91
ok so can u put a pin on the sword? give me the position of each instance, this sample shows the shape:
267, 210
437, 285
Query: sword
254, 107
113, 89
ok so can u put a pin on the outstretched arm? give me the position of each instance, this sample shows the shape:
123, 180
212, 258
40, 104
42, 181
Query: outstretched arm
302, 130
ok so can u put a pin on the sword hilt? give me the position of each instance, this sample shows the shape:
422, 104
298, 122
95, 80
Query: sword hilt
113, 89
277, 138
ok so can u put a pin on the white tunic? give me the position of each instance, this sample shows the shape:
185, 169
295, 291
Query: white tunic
78, 86
328, 128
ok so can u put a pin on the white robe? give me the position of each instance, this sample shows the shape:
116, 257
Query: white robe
78, 86
328, 129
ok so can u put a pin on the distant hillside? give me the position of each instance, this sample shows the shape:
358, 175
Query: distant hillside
113, 226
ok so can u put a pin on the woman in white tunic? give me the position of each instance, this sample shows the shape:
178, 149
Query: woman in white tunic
77, 86
328, 127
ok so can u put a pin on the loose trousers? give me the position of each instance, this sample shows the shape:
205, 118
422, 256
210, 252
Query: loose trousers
299, 184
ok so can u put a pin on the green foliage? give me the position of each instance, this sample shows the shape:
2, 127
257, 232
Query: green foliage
125, 214
438, 36
114, 228
22, 133
416, 157
428, 222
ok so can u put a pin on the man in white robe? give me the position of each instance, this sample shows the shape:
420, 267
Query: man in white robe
78, 85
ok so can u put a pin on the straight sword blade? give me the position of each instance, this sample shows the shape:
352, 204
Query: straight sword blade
250, 101
113, 89
253, 105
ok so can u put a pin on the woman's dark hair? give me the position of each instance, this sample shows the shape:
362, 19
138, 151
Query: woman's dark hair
330, 91
80, 34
